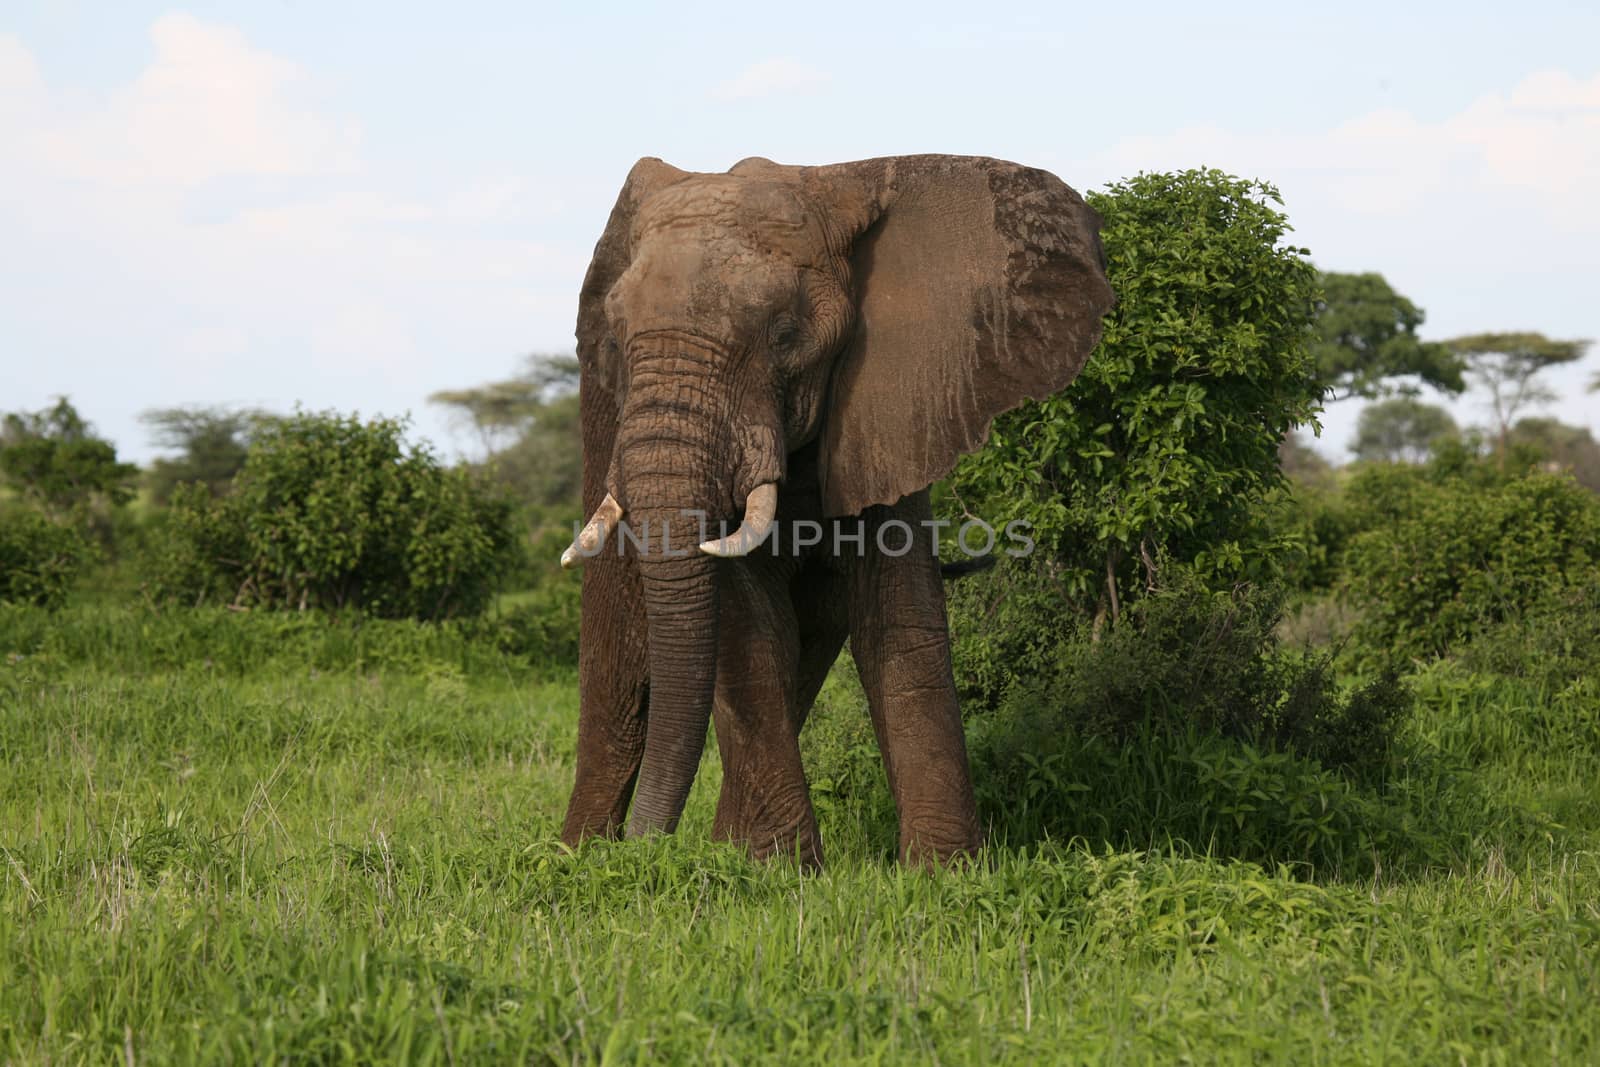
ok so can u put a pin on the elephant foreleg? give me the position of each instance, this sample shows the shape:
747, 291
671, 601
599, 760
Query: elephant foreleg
901, 644
613, 680
764, 803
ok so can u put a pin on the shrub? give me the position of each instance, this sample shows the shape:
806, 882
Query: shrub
55, 459
1452, 550
333, 513
1167, 443
1554, 644
38, 558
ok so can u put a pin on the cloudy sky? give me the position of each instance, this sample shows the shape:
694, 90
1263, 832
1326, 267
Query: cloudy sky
352, 205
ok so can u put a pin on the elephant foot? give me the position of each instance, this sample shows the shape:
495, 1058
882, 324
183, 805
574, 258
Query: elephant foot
937, 844
764, 838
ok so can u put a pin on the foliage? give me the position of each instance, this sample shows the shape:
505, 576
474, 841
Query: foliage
330, 512
1553, 643
1450, 549
1366, 335
54, 459
1507, 367
1167, 443
1189, 658
528, 428
1561, 447
1401, 430
39, 559
212, 444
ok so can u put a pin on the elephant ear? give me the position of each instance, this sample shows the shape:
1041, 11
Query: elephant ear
979, 284
598, 354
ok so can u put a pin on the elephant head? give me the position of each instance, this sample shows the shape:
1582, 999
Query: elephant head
886, 310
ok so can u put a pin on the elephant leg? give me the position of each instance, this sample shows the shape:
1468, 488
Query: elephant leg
901, 643
764, 803
613, 683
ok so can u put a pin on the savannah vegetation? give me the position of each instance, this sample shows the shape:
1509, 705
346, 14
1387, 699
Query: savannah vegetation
1278, 761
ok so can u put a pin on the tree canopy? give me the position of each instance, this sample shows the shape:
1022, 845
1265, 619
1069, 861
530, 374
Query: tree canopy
1508, 365
528, 427
54, 458
1366, 336
212, 445
1401, 429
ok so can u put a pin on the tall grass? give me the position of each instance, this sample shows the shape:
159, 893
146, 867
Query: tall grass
228, 838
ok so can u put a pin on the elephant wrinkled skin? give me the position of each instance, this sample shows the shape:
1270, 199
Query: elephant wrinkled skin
825, 341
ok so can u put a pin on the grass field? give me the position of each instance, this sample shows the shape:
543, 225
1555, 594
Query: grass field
227, 840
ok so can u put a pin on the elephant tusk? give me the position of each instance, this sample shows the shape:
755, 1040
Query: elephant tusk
760, 507
592, 538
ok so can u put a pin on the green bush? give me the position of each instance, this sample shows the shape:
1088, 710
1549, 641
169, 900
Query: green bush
1452, 550
330, 512
1006, 626
1554, 645
39, 559
542, 624
1167, 443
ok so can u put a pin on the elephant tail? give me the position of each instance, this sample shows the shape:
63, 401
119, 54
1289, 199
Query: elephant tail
962, 567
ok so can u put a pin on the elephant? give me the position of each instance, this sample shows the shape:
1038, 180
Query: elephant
777, 346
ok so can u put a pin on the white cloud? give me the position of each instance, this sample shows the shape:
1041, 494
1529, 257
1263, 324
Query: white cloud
771, 77
1486, 217
208, 106
210, 229
1540, 143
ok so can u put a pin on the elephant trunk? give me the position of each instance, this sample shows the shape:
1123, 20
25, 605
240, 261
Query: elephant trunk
681, 602
672, 445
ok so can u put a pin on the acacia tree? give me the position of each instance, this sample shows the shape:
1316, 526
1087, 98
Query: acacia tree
1507, 366
528, 427
212, 445
1366, 336
1167, 444
1401, 430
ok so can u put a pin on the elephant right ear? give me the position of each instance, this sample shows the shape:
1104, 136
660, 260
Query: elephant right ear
598, 354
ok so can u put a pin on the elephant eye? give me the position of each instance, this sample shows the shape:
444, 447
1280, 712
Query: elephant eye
783, 331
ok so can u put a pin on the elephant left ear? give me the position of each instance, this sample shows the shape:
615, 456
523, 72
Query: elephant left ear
979, 284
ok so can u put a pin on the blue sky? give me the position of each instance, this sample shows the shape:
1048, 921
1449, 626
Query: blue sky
351, 205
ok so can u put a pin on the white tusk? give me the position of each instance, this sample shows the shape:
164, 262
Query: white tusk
592, 538
760, 507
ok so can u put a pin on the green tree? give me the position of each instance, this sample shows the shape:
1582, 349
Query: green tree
1366, 335
1167, 444
529, 430
211, 443
1401, 430
1561, 447
54, 459
1507, 366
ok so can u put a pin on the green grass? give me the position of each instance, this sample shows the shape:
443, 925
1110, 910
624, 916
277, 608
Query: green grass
239, 839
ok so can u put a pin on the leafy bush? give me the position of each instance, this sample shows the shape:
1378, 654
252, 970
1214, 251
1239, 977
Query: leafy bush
330, 512
55, 459
1452, 550
1189, 658
1167, 443
1554, 644
38, 558
542, 625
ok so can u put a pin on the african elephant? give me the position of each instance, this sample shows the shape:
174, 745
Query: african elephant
795, 344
